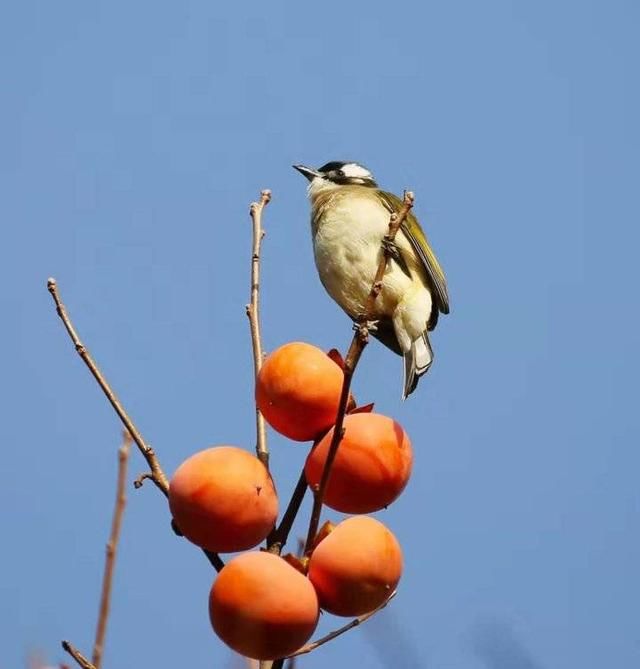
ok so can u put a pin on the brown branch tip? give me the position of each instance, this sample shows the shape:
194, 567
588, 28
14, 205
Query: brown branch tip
80, 659
265, 198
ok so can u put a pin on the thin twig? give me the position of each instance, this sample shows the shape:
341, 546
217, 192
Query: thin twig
112, 548
77, 655
292, 663
349, 626
253, 312
157, 475
278, 538
214, 559
109, 564
358, 343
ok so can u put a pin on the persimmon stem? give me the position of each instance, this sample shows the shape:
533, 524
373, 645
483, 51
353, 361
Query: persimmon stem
215, 560
253, 312
278, 538
359, 341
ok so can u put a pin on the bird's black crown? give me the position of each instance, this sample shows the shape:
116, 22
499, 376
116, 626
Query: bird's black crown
346, 172
334, 166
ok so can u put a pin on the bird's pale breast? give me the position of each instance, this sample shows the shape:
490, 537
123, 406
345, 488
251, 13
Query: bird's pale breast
347, 236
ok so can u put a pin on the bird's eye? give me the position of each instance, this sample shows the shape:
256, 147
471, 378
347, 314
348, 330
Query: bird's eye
341, 173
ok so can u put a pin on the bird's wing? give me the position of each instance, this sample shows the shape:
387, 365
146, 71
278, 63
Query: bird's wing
414, 233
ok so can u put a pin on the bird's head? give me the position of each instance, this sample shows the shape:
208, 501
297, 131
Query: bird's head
335, 175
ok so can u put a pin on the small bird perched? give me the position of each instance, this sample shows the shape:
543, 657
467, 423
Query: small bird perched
349, 218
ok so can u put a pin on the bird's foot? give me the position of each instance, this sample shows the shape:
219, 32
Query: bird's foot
391, 249
363, 326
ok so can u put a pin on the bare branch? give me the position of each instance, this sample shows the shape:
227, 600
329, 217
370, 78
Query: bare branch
80, 659
112, 548
358, 343
157, 475
341, 630
253, 312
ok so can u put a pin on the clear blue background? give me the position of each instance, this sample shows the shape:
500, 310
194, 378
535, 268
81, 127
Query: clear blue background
135, 134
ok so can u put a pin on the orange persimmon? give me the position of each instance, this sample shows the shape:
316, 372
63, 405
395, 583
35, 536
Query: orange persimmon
356, 567
371, 468
223, 499
261, 607
298, 390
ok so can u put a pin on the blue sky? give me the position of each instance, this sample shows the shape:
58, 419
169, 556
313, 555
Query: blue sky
134, 137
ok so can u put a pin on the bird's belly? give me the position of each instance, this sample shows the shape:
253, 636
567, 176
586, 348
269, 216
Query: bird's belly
347, 254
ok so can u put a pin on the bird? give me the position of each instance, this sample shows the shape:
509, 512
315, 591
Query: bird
349, 218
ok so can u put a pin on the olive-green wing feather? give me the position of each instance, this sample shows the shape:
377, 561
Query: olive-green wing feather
414, 233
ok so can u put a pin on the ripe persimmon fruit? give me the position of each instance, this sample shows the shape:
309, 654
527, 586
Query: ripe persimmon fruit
371, 468
356, 567
298, 391
223, 499
262, 607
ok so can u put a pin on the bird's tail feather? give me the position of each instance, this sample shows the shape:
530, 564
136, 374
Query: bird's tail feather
417, 361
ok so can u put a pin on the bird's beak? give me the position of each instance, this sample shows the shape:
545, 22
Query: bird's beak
307, 172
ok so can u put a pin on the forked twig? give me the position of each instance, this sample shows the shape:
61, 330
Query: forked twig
358, 343
253, 312
111, 551
157, 475
341, 630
